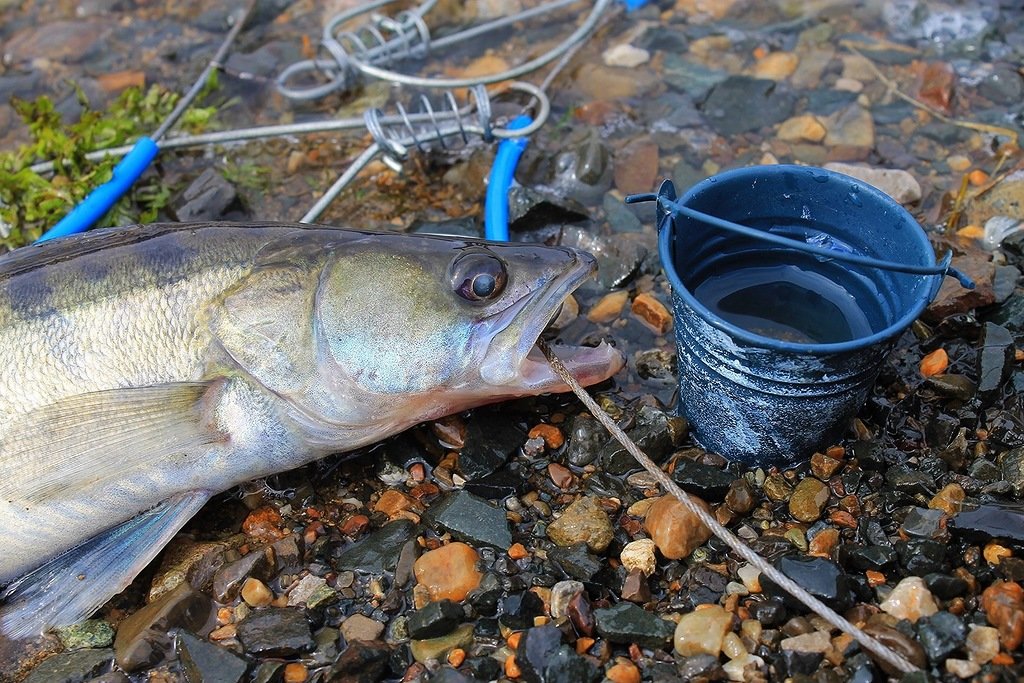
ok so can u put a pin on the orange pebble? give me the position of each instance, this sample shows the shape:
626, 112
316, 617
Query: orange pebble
511, 668
974, 232
624, 671
935, 363
513, 640
977, 177
518, 551
1018, 355
874, 578
295, 673
1002, 659
760, 52
551, 434
456, 657
583, 644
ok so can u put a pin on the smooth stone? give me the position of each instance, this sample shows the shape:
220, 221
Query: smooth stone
952, 298
736, 669
448, 572
702, 631
627, 623
815, 641
962, 668
850, 127
361, 662
435, 619
255, 593
776, 66
472, 519
72, 667
436, 648
361, 627
204, 662
185, 561
636, 166
898, 641
584, 521
740, 497
276, 632
377, 552
808, 500
536, 647
700, 667
600, 82
142, 639
307, 586
897, 183
674, 529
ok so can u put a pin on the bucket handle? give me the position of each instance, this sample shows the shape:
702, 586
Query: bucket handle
667, 206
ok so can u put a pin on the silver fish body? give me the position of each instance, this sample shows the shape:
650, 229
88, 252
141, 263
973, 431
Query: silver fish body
143, 370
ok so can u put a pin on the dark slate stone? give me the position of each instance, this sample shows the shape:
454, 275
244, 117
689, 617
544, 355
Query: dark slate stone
944, 586
575, 561
710, 483
770, 613
626, 623
801, 663
822, 578
924, 523
72, 667
690, 77
940, 634
995, 360
491, 439
483, 668
204, 662
517, 611
449, 675
1010, 314
863, 558
378, 552
472, 519
362, 662
701, 667
530, 208
228, 580
536, 647
142, 639
276, 632
206, 199
741, 103
585, 440
911, 481
922, 556
987, 522
498, 485
435, 619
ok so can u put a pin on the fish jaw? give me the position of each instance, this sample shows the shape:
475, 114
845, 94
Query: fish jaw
513, 362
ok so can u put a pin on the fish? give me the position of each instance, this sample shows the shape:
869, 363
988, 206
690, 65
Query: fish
145, 369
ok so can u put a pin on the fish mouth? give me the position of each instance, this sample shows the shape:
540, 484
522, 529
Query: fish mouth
513, 358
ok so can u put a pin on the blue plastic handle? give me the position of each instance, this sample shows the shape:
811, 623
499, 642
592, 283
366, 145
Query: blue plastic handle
633, 4
100, 200
502, 172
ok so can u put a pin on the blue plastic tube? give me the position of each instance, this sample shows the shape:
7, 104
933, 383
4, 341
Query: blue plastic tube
502, 172
103, 198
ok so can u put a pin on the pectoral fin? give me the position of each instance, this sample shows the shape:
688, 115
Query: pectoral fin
93, 437
76, 583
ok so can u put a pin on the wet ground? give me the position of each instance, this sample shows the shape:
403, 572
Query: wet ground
510, 542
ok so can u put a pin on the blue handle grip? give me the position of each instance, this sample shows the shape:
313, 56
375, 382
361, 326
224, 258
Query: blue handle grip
504, 168
100, 200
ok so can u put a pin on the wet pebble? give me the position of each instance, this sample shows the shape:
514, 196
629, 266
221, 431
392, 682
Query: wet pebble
204, 661
436, 648
940, 635
584, 521
822, 578
276, 632
1003, 603
897, 183
449, 572
702, 631
675, 530
808, 500
639, 555
626, 623
360, 627
142, 639
472, 519
982, 643
562, 594
910, 599
92, 633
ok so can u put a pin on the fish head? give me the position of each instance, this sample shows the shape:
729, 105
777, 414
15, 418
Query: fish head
430, 325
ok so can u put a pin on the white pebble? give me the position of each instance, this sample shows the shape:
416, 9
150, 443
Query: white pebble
625, 55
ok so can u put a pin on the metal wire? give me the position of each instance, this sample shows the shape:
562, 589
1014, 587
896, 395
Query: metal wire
890, 656
366, 50
395, 136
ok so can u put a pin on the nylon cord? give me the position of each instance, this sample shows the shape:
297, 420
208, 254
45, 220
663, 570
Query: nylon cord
828, 614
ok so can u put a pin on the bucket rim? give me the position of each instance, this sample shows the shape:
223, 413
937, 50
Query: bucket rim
733, 175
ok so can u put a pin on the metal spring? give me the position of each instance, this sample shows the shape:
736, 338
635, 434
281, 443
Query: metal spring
429, 124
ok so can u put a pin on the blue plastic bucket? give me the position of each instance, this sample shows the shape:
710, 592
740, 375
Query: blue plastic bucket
787, 296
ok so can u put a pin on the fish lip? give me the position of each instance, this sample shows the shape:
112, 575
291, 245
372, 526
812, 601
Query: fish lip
514, 358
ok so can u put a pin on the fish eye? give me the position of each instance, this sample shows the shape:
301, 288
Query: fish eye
478, 276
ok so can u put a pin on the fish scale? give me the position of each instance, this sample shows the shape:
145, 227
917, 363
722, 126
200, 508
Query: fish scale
143, 370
